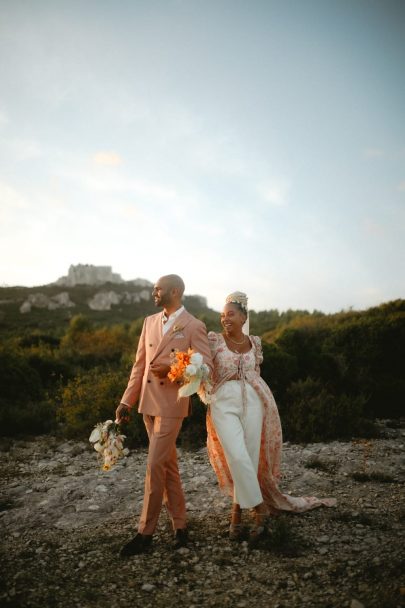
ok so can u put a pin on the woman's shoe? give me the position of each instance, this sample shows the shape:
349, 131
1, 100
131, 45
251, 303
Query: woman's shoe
235, 528
235, 532
258, 527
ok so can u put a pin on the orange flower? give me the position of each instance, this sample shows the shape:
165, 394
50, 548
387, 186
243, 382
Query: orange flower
178, 367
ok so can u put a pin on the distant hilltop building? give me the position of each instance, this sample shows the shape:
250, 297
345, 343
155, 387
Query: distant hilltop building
87, 274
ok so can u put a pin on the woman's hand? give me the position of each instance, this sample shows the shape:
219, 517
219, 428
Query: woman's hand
160, 371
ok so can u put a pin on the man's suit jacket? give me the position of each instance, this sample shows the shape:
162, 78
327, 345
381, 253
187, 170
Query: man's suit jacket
158, 396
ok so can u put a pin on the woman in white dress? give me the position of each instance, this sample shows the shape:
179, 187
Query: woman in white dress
244, 431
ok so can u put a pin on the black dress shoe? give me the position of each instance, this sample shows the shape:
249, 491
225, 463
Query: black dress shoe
180, 538
139, 544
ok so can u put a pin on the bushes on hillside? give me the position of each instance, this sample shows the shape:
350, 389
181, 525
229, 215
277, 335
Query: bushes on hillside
357, 354
23, 404
328, 373
88, 346
312, 413
19, 382
92, 397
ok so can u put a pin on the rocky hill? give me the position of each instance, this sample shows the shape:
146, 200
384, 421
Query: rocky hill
87, 274
95, 291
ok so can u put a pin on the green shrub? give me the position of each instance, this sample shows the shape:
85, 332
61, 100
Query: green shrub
27, 418
92, 397
24, 408
38, 339
51, 370
19, 382
312, 413
279, 369
88, 346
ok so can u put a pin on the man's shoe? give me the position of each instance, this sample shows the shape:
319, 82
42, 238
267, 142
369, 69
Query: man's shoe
180, 538
139, 544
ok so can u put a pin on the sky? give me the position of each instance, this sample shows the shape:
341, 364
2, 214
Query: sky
251, 145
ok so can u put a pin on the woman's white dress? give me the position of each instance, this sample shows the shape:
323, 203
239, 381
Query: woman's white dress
246, 367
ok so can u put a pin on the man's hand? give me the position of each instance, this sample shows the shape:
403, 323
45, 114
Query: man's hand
160, 371
122, 413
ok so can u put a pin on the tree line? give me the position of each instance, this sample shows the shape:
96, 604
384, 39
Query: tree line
331, 375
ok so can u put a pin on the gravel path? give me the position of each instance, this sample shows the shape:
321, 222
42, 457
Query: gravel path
64, 522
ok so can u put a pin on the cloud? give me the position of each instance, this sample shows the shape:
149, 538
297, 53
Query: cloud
275, 191
373, 228
10, 198
111, 159
374, 152
135, 187
217, 153
401, 186
19, 149
3, 119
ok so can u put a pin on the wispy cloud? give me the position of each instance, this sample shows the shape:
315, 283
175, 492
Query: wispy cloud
136, 187
10, 198
3, 118
275, 191
19, 149
374, 152
373, 228
107, 158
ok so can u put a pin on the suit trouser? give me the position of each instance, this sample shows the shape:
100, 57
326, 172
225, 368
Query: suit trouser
162, 480
239, 430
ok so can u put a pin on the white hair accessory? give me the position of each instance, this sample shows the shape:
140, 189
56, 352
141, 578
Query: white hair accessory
240, 298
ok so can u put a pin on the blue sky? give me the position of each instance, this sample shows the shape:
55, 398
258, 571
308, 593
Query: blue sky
255, 146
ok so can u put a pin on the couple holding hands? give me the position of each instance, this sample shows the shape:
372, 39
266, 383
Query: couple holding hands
244, 431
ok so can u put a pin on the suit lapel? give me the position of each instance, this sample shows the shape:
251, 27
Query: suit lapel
181, 322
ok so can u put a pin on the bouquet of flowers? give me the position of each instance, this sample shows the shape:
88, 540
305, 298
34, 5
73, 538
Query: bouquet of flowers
189, 369
108, 442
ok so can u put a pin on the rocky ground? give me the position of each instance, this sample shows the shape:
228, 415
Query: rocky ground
64, 521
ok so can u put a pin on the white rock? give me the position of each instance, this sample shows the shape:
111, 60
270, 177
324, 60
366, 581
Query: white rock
87, 274
25, 307
103, 300
147, 587
101, 488
356, 604
199, 479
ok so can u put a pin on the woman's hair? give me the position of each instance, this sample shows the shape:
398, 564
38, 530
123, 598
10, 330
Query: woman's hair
240, 300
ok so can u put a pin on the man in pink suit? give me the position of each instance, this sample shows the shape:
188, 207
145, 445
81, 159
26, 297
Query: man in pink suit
162, 334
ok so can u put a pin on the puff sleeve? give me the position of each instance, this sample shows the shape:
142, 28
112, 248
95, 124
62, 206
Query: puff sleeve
258, 352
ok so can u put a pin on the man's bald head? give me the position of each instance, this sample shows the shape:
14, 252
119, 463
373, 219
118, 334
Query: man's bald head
168, 292
173, 281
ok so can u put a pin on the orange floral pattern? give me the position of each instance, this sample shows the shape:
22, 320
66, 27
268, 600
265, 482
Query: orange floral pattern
246, 367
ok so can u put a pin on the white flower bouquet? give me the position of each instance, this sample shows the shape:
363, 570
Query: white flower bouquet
108, 443
189, 369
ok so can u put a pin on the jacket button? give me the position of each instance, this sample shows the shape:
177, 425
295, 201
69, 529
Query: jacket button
148, 381
172, 350
162, 383
150, 344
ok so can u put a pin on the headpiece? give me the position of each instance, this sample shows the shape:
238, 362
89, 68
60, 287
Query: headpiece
240, 298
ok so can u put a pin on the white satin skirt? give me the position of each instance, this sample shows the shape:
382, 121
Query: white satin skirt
239, 429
